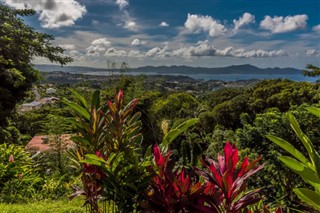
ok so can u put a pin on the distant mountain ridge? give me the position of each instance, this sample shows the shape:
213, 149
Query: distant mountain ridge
167, 70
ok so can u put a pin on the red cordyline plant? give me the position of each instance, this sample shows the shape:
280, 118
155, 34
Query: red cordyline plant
171, 190
92, 178
122, 126
225, 185
224, 189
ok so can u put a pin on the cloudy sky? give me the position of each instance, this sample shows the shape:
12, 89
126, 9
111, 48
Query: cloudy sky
207, 33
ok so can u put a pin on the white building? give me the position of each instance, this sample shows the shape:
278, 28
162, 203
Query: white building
51, 90
31, 106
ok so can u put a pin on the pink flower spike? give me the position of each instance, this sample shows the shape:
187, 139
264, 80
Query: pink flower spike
120, 94
11, 159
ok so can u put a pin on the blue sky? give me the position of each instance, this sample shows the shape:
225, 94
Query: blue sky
206, 33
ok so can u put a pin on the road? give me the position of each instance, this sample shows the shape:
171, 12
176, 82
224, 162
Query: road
36, 93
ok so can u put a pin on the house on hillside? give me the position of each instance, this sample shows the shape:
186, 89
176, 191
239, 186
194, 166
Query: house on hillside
31, 106
49, 100
50, 91
46, 142
37, 104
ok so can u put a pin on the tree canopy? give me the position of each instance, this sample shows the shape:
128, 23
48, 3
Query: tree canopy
20, 45
311, 71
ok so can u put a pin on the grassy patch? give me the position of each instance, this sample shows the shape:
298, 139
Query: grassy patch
61, 206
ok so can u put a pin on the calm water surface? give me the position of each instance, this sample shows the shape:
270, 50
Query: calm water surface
223, 77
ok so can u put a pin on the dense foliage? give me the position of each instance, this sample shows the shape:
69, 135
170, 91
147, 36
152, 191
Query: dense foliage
20, 44
156, 153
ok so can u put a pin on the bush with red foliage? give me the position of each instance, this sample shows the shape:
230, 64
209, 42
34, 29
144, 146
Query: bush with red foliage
223, 188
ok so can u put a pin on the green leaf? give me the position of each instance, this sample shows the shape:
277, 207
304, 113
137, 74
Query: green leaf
82, 111
303, 138
314, 110
94, 160
289, 148
307, 174
174, 133
312, 198
80, 98
80, 140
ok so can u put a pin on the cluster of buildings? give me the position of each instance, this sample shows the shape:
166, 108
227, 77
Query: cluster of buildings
39, 103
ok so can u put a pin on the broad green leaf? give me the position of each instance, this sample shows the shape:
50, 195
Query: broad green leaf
82, 111
80, 98
312, 198
303, 138
148, 152
80, 140
314, 110
307, 174
174, 133
289, 148
94, 160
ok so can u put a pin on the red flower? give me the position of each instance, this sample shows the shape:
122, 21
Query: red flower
11, 159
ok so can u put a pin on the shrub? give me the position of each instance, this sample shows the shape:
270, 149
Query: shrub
18, 179
224, 188
307, 169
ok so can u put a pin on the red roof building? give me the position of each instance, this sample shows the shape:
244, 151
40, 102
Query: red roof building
45, 142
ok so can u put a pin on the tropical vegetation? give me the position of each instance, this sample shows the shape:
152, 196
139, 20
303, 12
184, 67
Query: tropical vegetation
150, 147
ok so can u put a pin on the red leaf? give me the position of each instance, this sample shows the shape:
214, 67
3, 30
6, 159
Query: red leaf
216, 175
244, 166
209, 188
234, 160
157, 155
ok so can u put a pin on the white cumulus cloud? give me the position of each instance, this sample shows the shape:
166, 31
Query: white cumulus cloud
246, 18
112, 52
205, 49
201, 49
53, 13
316, 28
101, 42
122, 3
164, 24
313, 52
97, 46
243, 53
131, 25
158, 52
199, 23
280, 24
137, 42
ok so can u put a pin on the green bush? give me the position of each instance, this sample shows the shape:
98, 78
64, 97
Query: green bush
18, 179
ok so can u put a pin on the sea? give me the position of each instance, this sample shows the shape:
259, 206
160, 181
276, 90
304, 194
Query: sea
222, 77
